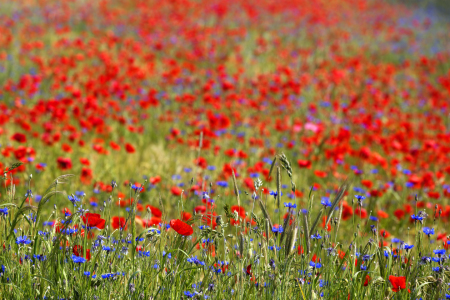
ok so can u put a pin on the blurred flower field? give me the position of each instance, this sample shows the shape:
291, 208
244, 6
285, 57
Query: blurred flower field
236, 149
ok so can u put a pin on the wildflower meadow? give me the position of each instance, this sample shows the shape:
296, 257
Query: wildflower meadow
240, 149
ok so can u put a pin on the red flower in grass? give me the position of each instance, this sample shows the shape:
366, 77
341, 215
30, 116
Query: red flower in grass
78, 251
118, 222
19, 137
86, 175
304, 163
200, 209
399, 214
368, 279
181, 228
176, 191
239, 209
93, 220
129, 148
84, 161
398, 283
185, 216
249, 270
155, 211
64, 163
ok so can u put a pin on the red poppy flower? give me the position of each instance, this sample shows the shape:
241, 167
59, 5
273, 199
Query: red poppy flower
201, 209
398, 283
185, 216
64, 163
93, 220
129, 148
201, 162
118, 222
384, 233
347, 211
85, 161
181, 228
383, 215
368, 279
320, 174
240, 210
114, 146
362, 213
78, 251
176, 191
86, 175
154, 221
399, 213
155, 180
19, 137
155, 211
249, 270
304, 163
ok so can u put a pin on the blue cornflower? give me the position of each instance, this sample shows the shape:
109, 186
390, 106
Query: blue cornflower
365, 257
360, 199
77, 259
436, 259
290, 205
275, 194
416, 218
396, 240
73, 199
189, 294
29, 193
222, 183
428, 231
80, 193
359, 190
373, 218
304, 211
315, 265
144, 253
3, 211
107, 275
326, 202
87, 273
22, 240
272, 248
437, 269
40, 257
408, 247
107, 249
277, 229
195, 260
439, 252
316, 236
136, 188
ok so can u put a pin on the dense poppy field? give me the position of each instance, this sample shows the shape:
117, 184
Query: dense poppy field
286, 149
